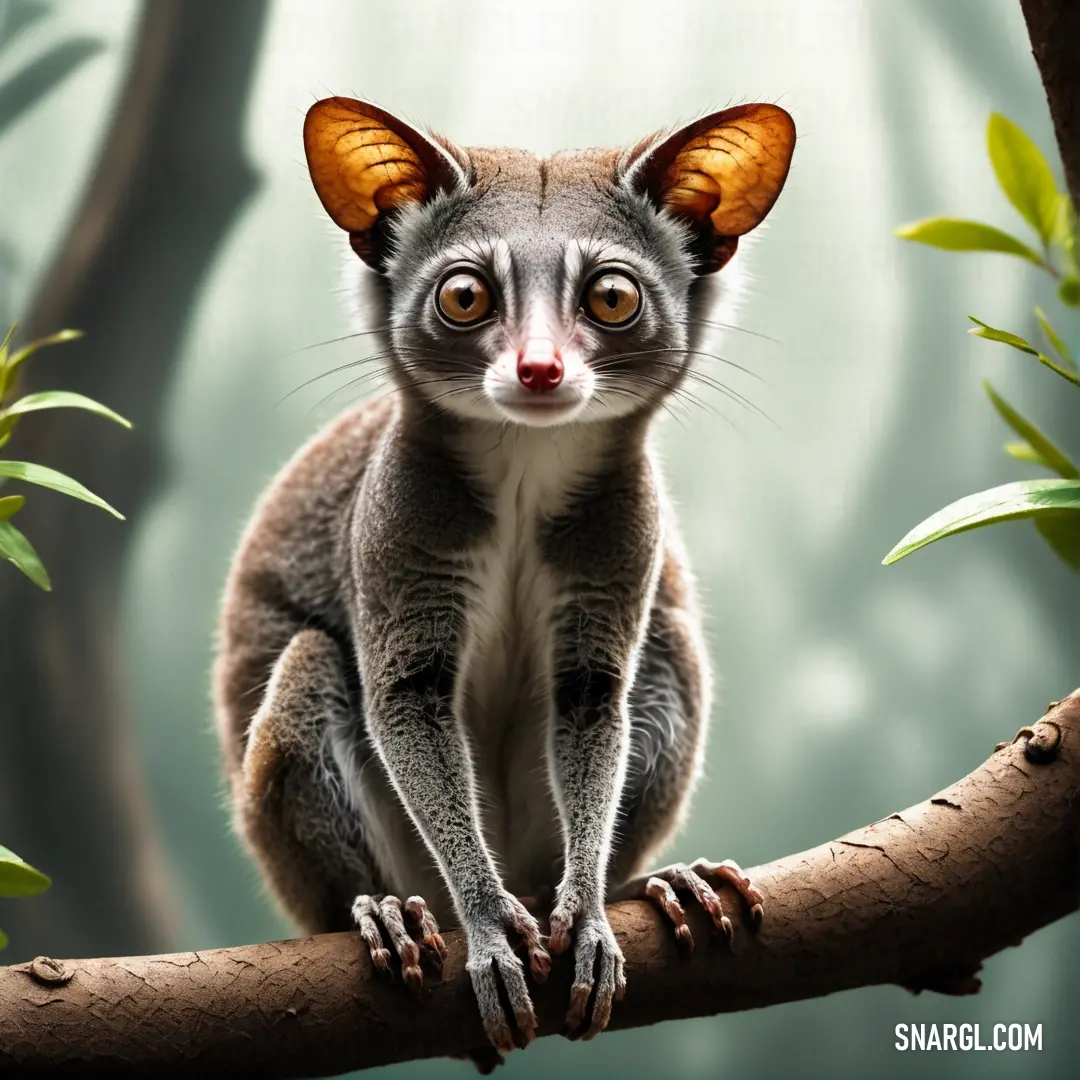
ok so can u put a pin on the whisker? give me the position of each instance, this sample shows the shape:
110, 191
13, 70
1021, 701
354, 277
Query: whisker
334, 371
714, 384
369, 375
609, 361
673, 390
350, 337
377, 374
665, 405
716, 324
407, 356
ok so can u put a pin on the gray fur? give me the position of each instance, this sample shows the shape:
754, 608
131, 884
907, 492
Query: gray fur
460, 657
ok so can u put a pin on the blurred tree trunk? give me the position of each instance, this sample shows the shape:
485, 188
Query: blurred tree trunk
169, 182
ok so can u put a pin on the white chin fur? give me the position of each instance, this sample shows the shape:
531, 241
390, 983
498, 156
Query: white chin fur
525, 410
542, 414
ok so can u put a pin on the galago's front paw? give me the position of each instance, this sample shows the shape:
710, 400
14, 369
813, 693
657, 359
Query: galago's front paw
492, 960
593, 939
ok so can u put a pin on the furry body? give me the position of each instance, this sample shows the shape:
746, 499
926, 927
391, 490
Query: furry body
460, 659
293, 576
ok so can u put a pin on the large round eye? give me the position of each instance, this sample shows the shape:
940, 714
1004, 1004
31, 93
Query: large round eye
612, 298
463, 298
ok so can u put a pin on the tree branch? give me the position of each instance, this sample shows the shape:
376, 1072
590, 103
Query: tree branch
919, 899
1054, 29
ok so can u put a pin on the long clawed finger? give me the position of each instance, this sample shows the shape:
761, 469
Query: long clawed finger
529, 932
431, 942
663, 895
610, 988
365, 911
485, 979
386, 917
559, 927
690, 881
390, 914
731, 874
698, 880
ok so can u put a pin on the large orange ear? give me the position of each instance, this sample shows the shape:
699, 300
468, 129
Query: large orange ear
721, 173
365, 163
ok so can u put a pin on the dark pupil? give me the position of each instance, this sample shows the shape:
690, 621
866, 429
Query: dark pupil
611, 298
465, 298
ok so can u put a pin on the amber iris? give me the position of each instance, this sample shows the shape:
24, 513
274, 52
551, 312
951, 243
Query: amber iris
612, 299
464, 298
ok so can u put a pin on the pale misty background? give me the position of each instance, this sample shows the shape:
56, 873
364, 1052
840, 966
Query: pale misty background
849, 690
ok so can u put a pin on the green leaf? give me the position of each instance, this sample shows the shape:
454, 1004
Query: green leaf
1065, 230
6, 343
10, 505
57, 481
61, 399
3, 941
5, 373
21, 554
18, 878
1056, 343
1069, 292
1022, 499
53, 339
952, 234
1024, 175
1063, 535
1054, 458
991, 334
1023, 451
985, 330
1065, 373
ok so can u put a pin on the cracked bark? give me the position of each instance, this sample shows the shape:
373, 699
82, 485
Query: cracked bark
1054, 29
918, 899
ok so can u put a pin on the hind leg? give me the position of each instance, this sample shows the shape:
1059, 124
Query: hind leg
292, 808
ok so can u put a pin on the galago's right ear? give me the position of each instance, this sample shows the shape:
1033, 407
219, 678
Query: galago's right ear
366, 163
720, 175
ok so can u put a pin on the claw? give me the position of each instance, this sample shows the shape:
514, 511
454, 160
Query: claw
365, 911
488, 964
526, 1022
386, 915
525, 926
698, 880
594, 939
657, 889
608, 988
433, 946
575, 1015
559, 937
540, 965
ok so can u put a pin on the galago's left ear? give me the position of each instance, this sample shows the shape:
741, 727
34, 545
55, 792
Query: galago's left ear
720, 174
366, 164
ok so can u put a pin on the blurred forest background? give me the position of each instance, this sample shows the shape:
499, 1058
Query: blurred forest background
197, 258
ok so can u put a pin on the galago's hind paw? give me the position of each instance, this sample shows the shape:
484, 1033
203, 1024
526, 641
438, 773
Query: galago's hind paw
699, 880
376, 915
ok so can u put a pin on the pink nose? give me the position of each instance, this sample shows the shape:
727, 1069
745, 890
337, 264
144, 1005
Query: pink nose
540, 367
